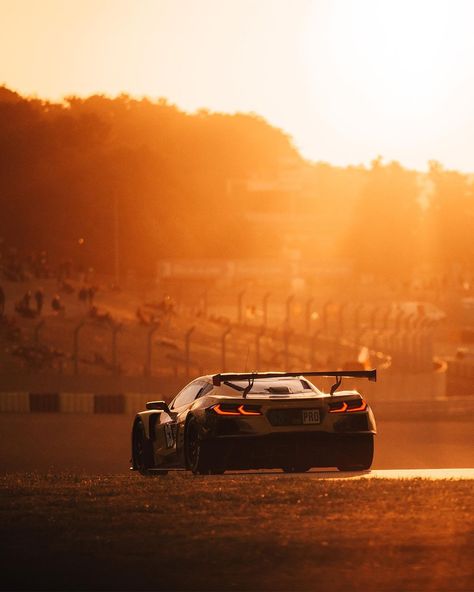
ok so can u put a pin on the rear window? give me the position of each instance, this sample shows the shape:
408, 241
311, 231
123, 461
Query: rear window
286, 386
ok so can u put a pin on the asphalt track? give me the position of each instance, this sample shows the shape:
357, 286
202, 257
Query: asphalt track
435, 474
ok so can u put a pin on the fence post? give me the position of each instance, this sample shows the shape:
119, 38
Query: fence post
386, 318
187, 340
399, 320
286, 342
224, 348
373, 316
357, 311
149, 349
240, 298
340, 315
409, 321
258, 337
324, 315
75, 352
115, 331
266, 296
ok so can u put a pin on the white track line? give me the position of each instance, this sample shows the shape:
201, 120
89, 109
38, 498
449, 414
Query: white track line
397, 474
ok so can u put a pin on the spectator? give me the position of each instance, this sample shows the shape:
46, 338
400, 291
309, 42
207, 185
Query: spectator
56, 304
39, 297
26, 300
22, 307
2, 302
91, 294
83, 296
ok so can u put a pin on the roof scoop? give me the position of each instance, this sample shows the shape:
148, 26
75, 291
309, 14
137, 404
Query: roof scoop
279, 390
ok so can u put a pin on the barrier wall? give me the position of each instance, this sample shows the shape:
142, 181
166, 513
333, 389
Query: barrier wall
393, 397
460, 378
107, 394
115, 403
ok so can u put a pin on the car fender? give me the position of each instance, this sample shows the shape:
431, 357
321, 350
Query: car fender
148, 418
181, 434
371, 418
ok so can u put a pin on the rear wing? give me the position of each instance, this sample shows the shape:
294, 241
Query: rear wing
371, 375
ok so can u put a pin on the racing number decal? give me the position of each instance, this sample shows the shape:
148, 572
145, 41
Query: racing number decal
170, 434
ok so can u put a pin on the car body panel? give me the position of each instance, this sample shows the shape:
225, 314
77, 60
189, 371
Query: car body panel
264, 440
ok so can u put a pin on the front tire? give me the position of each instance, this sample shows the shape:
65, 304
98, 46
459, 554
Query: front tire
360, 454
142, 452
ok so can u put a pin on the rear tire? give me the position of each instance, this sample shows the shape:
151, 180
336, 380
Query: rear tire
142, 452
197, 452
360, 454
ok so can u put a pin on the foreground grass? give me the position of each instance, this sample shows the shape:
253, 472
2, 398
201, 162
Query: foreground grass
234, 532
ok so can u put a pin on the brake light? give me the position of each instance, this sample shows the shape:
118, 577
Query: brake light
360, 407
220, 411
248, 411
229, 409
340, 409
348, 406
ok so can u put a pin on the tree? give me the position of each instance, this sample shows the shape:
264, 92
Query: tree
451, 219
382, 239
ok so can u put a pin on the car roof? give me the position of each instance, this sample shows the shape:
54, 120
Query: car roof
295, 385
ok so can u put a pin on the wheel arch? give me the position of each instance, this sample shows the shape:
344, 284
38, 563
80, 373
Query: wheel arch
148, 419
182, 446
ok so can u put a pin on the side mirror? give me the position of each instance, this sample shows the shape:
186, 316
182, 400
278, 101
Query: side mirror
158, 405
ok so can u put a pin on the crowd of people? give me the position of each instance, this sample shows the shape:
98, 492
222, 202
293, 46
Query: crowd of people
154, 313
17, 267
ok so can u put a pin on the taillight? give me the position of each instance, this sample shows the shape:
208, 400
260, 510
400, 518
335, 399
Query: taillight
338, 407
347, 406
249, 410
356, 405
233, 409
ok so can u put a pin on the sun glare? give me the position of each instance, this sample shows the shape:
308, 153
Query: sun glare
394, 65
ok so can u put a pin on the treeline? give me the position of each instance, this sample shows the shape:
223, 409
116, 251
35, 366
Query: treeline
183, 185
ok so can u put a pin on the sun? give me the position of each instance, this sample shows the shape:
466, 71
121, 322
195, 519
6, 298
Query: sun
391, 66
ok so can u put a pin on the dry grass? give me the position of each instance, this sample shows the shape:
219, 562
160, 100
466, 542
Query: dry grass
234, 532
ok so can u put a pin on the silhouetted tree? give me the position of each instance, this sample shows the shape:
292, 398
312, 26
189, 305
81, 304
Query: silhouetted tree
451, 219
382, 239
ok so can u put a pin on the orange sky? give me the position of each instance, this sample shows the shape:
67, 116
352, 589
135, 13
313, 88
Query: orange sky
348, 79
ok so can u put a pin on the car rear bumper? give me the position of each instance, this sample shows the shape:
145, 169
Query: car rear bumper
316, 449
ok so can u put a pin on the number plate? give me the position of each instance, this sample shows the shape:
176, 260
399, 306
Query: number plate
310, 416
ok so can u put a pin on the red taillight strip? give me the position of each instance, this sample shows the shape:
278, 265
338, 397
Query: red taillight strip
341, 410
219, 411
239, 411
346, 409
362, 407
244, 412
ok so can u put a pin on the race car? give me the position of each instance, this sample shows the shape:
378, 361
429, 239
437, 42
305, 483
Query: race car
256, 421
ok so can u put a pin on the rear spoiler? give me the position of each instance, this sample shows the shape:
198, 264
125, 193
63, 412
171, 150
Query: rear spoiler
371, 375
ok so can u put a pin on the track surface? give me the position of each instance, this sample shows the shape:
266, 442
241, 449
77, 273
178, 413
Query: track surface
97, 444
79, 520
244, 531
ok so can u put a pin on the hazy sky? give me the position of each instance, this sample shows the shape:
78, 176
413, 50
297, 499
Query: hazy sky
347, 79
